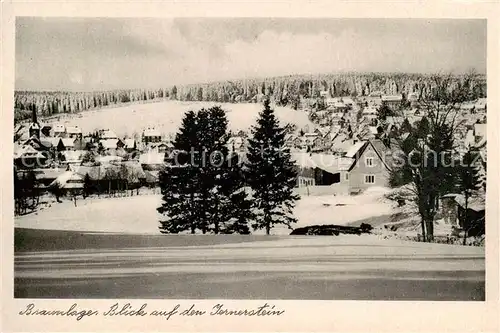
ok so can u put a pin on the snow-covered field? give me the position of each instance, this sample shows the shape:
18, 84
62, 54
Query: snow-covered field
137, 214
166, 116
292, 267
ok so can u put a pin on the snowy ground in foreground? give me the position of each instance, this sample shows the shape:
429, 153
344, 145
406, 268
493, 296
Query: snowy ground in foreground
281, 267
167, 116
137, 214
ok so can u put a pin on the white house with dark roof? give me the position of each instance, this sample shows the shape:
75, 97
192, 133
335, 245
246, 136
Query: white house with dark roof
73, 132
108, 135
366, 164
151, 134
59, 130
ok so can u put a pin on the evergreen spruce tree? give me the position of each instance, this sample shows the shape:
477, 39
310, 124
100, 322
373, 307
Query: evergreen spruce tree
383, 112
405, 127
222, 199
200, 187
87, 186
270, 173
178, 182
468, 183
236, 207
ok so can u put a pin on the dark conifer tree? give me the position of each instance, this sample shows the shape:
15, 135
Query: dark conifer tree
468, 182
87, 186
236, 207
178, 182
405, 127
270, 173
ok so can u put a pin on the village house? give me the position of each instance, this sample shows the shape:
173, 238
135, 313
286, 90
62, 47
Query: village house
45, 176
340, 143
369, 167
68, 143
366, 164
107, 135
71, 182
370, 112
59, 130
480, 106
111, 145
56, 143
27, 157
152, 160
319, 143
472, 219
130, 145
293, 141
392, 101
164, 147
73, 156
76, 143
74, 132
151, 135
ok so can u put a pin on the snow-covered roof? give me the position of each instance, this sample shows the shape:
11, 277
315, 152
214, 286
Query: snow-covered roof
54, 141
129, 143
370, 111
109, 159
480, 130
373, 129
108, 134
392, 98
467, 106
323, 130
326, 162
109, 143
413, 96
59, 128
348, 100
68, 179
152, 157
35, 126
476, 203
73, 156
68, 142
353, 151
27, 151
73, 130
151, 132
49, 173
395, 120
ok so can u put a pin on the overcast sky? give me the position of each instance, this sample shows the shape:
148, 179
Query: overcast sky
107, 53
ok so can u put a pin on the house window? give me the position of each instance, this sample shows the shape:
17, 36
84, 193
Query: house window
369, 179
346, 177
369, 161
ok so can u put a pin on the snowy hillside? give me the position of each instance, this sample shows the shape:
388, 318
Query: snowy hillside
167, 116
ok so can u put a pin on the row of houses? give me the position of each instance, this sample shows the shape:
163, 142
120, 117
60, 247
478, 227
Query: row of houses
106, 177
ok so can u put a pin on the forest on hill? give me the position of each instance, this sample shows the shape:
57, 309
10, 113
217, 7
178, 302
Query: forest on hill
283, 90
